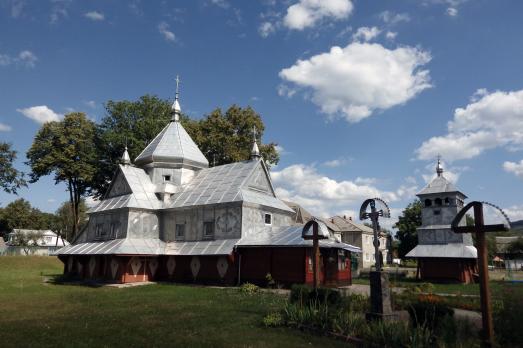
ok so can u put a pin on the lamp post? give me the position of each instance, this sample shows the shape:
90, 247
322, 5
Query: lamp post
479, 228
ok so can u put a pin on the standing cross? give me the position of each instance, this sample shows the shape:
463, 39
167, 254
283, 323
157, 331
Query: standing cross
480, 229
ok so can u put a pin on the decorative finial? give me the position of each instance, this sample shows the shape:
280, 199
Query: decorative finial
439, 167
126, 159
176, 105
255, 152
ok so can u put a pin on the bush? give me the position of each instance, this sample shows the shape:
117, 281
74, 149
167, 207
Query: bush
304, 295
429, 312
249, 289
507, 318
274, 319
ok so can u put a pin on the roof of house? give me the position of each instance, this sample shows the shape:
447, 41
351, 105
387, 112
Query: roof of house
27, 231
450, 250
503, 242
348, 225
302, 215
173, 145
438, 185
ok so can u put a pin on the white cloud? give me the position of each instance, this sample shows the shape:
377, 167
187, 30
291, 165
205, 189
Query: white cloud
5, 127
366, 34
59, 10
514, 168
451, 173
365, 181
392, 18
391, 35
90, 103
24, 58
452, 11
41, 114
333, 163
307, 13
90, 201
95, 16
221, 3
514, 212
360, 78
266, 28
168, 35
491, 120
324, 196
27, 58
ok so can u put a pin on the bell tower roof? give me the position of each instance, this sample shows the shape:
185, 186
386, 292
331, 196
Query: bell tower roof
439, 184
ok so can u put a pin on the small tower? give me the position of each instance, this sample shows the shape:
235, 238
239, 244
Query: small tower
176, 109
441, 253
126, 159
255, 152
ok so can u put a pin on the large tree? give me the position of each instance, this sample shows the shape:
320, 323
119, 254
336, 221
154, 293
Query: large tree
20, 214
10, 178
222, 137
64, 220
67, 150
407, 223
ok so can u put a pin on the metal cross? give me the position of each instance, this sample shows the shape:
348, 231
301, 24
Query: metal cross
177, 84
374, 216
254, 131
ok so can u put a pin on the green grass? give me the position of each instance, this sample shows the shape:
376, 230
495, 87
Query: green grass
34, 313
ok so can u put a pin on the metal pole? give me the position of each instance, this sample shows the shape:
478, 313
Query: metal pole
486, 309
316, 256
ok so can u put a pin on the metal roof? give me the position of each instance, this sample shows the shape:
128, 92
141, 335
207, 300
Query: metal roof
173, 145
223, 184
128, 246
211, 247
142, 195
451, 250
438, 185
348, 225
289, 236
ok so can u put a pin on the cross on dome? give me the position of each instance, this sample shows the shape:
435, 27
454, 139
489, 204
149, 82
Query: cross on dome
255, 152
176, 105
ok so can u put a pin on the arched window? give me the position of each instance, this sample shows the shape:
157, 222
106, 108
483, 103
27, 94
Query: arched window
447, 201
437, 201
428, 202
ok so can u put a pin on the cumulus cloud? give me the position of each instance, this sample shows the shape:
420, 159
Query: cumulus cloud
514, 168
335, 163
325, 196
266, 28
360, 78
514, 212
168, 35
307, 13
41, 114
452, 11
95, 16
366, 34
392, 18
391, 35
221, 3
490, 120
5, 127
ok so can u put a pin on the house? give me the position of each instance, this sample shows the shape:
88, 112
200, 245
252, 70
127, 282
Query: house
443, 255
37, 242
361, 236
513, 261
169, 216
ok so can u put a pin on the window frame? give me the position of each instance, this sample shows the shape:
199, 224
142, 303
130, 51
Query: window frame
265, 215
178, 237
167, 178
205, 235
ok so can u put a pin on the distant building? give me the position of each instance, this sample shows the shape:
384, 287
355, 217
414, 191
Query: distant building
171, 217
443, 255
512, 261
47, 242
362, 237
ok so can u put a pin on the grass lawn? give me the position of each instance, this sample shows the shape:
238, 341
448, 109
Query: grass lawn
34, 313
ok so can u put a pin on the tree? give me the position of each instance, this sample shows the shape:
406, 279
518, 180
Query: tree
64, 220
10, 178
406, 225
222, 138
27, 240
67, 150
515, 247
20, 214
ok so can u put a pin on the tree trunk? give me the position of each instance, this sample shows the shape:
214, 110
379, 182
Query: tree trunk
72, 196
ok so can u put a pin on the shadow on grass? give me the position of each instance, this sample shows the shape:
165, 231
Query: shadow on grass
60, 279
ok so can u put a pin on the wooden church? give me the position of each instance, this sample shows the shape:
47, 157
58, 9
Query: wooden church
169, 216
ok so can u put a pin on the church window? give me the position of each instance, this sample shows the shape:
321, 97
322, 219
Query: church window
438, 201
99, 231
268, 219
180, 232
208, 230
437, 212
447, 201
428, 202
166, 178
115, 229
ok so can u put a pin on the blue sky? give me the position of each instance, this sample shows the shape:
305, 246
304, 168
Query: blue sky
360, 95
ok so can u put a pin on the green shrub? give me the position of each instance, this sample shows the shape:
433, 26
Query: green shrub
304, 295
249, 289
271, 283
429, 313
273, 319
507, 318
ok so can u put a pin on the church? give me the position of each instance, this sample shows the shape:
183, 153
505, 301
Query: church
443, 255
170, 217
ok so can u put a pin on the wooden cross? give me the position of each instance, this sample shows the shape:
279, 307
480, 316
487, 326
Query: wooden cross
480, 229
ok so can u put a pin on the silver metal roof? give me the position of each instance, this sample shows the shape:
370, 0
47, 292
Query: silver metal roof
142, 195
452, 250
438, 185
173, 144
225, 183
212, 247
289, 236
129, 246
